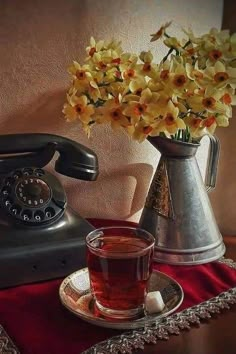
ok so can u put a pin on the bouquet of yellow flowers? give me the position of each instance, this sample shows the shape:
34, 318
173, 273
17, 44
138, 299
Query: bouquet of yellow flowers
185, 96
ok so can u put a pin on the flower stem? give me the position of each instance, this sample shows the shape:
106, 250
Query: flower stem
166, 57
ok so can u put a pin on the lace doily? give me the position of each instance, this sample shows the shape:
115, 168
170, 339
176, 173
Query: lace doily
6, 344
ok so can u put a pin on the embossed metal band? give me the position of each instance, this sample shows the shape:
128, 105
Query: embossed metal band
159, 196
173, 324
6, 344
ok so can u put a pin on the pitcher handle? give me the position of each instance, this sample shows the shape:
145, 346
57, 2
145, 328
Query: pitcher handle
212, 163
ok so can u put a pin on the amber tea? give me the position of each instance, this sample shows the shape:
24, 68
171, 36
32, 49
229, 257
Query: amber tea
120, 264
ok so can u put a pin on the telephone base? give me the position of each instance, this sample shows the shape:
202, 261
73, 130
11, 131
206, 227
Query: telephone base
29, 255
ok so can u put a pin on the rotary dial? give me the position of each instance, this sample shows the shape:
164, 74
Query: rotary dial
33, 192
32, 195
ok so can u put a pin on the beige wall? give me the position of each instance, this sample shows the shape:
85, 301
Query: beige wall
39, 39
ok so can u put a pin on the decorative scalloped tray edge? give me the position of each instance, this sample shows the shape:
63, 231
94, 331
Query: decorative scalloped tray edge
173, 324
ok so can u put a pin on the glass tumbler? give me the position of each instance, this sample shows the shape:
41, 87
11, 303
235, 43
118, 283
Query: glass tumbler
119, 261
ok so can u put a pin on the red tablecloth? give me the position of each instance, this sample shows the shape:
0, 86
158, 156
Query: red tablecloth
38, 324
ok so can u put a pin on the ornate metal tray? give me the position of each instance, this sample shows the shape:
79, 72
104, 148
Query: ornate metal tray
130, 341
76, 296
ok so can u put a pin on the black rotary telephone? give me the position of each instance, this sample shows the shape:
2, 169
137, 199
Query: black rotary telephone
41, 237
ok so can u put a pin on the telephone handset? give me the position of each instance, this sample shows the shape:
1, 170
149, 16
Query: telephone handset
30, 194
41, 237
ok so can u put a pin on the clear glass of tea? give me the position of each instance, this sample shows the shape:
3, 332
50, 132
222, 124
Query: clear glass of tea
119, 262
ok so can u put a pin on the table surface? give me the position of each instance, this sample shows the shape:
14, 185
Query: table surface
214, 336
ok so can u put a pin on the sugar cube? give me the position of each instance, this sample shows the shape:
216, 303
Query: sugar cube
154, 302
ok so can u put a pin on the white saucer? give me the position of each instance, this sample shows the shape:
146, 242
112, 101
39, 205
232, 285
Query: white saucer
76, 296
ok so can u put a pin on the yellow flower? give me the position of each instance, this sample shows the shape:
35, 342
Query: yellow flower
160, 32
173, 42
128, 58
191, 35
194, 124
147, 68
210, 124
93, 91
146, 108
78, 108
81, 76
135, 111
200, 126
130, 73
87, 128
146, 57
175, 80
117, 88
209, 100
141, 131
214, 54
112, 113
79, 72
105, 59
170, 123
161, 103
147, 96
128, 67
211, 47
218, 76
152, 101
111, 75
94, 47
195, 74
189, 51
69, 112
227, 96
115, 46
137, 85
179, 80
222, 120
192, 87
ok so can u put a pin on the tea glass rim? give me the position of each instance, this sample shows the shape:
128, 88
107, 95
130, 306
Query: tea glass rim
131, 228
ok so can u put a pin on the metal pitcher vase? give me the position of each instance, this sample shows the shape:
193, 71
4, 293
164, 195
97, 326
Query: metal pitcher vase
177, 209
